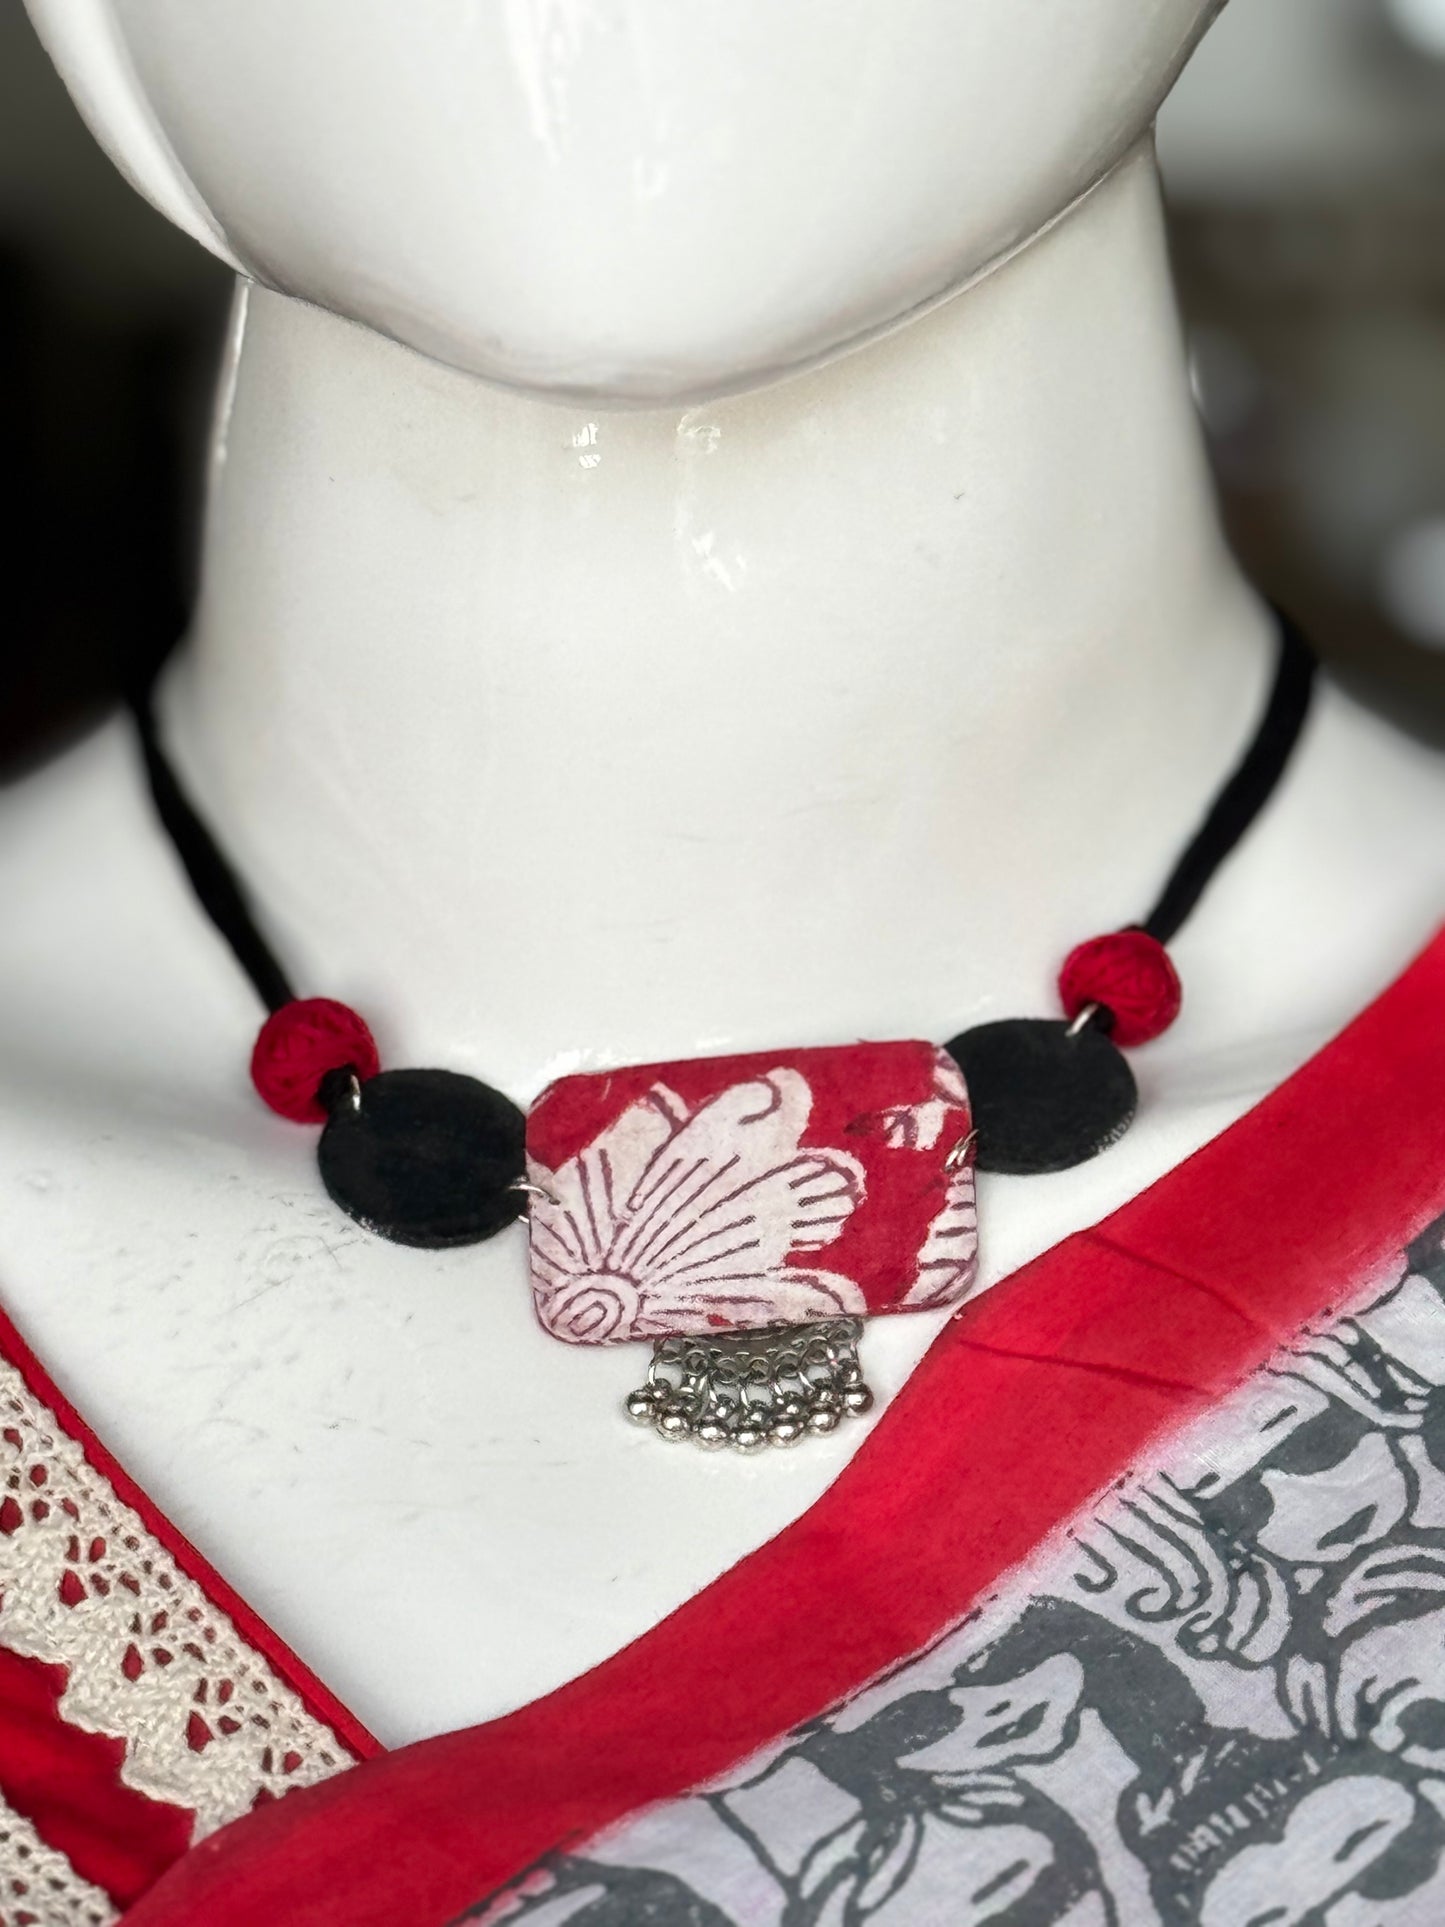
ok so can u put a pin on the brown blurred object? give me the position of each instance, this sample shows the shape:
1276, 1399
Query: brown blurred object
1318, 328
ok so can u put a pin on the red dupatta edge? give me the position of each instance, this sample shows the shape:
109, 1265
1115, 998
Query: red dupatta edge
1052, 1385
317, 1698
62, 1768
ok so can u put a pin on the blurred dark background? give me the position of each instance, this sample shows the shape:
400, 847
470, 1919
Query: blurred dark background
1305, 158
110, 323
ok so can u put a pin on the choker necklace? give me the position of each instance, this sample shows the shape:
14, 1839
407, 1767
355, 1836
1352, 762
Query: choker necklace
745, 1213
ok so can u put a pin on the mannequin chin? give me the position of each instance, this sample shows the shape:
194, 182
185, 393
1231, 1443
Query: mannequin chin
623, 200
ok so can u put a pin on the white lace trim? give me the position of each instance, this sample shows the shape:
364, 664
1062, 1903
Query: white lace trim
207, 1725
38, 1884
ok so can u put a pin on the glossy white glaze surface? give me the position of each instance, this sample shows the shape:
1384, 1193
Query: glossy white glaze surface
552, 736
619, 197
556, 737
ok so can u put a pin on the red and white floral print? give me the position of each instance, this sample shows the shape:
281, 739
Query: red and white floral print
730, 1193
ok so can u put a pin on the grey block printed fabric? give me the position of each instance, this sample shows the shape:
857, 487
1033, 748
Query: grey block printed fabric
1216, 1701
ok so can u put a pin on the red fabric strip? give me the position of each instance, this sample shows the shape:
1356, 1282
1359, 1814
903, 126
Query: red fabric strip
317, 1698
66, 1782
1026, 1407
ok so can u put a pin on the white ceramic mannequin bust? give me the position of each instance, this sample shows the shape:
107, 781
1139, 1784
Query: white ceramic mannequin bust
709, 548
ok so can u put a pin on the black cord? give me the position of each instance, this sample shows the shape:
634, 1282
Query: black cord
217, 887
1248, 789
222, 897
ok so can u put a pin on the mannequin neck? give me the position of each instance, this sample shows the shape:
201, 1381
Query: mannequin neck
552, 738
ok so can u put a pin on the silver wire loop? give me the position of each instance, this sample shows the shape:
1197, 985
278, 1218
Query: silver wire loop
529, 1190
1089, 1010
961, 1152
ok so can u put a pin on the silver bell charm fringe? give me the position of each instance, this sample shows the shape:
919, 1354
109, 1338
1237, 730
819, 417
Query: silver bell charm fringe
750, 1390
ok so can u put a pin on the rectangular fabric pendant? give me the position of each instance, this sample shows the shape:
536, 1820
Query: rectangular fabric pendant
726, 1194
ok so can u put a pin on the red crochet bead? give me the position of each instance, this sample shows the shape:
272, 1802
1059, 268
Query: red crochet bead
1127, 973
298, 1044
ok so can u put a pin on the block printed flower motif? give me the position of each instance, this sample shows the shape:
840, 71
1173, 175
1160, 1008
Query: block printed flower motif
713, 1214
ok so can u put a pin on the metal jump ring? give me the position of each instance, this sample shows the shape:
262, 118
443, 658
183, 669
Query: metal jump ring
959, 1155
350, 1095
526, 1187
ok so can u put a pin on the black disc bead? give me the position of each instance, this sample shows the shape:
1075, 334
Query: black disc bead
424, 1157
1045, 1096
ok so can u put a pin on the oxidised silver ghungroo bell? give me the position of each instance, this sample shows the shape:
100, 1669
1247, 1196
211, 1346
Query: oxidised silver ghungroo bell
750, 1390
